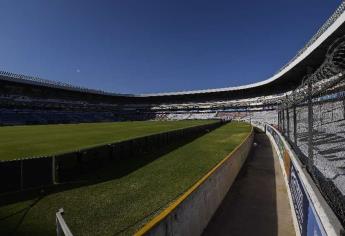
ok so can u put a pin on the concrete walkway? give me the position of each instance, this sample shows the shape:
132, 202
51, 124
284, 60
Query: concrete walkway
257, 203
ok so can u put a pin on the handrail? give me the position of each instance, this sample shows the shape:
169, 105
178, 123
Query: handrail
61, 227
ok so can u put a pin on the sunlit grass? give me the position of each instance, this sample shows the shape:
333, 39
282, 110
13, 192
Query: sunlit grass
39, 140
125, 203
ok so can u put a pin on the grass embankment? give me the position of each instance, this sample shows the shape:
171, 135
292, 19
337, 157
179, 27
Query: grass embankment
123, 204
39, 140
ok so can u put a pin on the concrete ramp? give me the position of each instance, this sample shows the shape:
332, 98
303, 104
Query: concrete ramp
257, 203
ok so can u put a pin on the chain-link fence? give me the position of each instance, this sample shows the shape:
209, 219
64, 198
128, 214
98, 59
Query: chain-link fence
312, 118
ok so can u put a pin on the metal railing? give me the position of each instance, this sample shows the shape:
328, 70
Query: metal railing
62, 228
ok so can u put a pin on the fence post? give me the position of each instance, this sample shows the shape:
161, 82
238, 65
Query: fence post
283, 117
294, 120
278, 116
343, 108
21, 175
287, 121
287, 117
265, 128
310, 124
53, 170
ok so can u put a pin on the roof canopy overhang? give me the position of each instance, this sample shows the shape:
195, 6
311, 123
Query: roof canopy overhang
286, 79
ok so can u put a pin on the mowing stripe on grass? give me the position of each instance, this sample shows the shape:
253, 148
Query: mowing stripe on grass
140, 188
39, 140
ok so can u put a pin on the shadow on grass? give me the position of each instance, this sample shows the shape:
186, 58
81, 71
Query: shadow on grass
11, 222
9, 228
111, 170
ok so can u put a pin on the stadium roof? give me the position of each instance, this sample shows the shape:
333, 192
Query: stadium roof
287, 78
311, 55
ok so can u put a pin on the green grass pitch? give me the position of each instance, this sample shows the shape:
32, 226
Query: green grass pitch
125, 203
38, 140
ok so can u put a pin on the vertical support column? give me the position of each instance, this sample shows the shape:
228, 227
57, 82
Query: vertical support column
294, 120
287, 121
320, 114
310, 125
21, 175
283, 120
265, 127
280, 118
343, 108
287, 117
53, 170
278, 113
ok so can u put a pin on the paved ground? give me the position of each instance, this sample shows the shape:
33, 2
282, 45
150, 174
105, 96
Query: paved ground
257, 203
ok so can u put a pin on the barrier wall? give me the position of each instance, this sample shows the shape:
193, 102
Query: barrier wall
190, 213
31, 173
311, 213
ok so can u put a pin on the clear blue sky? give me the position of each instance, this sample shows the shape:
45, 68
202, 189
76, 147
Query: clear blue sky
155, 45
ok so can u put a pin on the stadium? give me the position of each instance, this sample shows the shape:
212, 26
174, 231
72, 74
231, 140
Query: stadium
180, 163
